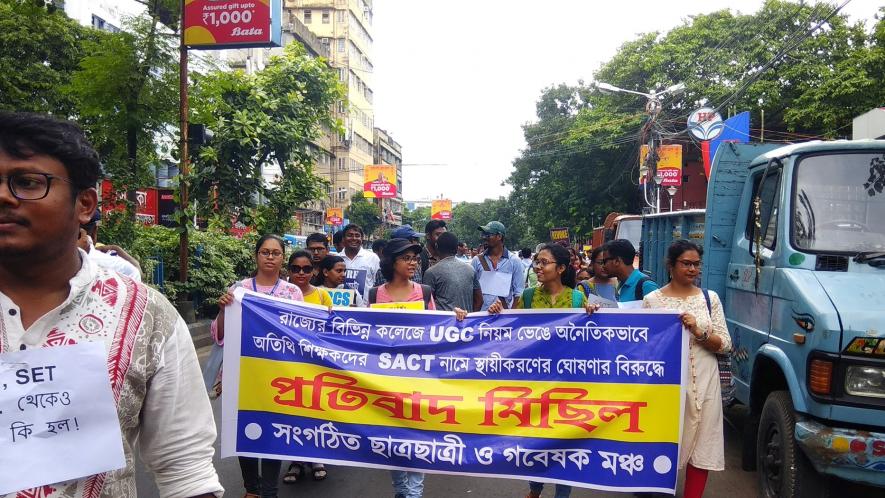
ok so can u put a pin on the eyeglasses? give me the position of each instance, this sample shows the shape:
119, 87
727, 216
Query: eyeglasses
31, 186
301, 269
408, 259
541, 262
317, 249
270, 254
689, 264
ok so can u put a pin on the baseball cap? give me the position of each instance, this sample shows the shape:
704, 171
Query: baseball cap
493, 227
405, 232
395, 247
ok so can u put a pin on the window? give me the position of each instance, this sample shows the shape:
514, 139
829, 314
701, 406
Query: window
768, 216
326, 16
308, 16
340, 45
339, 16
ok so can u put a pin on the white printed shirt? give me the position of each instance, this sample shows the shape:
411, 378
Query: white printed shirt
155, 379
361, 270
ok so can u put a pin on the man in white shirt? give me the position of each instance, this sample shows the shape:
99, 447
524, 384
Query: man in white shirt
104, 258
52, 295
362, 264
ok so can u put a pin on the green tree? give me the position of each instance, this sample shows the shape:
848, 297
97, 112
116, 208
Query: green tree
417, 218
267, 118
40, 49
364, 213
467, 217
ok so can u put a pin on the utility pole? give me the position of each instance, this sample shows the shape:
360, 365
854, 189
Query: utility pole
183, 160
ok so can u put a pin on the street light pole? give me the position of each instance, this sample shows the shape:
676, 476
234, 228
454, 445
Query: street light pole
672, 191
183, 160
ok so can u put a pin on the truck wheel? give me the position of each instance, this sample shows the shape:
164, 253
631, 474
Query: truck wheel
784, 471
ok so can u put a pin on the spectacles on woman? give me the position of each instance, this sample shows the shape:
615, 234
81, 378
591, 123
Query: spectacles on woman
541, 262
689, 264
301, 269
270, 254
408, 259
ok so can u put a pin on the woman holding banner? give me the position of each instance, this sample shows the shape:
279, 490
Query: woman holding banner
703, 442
555, 289
269, 252
332, 270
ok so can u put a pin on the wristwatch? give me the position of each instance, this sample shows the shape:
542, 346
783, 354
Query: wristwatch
703, 338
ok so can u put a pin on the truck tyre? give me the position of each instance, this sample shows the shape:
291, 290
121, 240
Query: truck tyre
784, 471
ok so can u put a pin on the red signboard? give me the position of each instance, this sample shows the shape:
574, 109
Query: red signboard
212, 23
153, 206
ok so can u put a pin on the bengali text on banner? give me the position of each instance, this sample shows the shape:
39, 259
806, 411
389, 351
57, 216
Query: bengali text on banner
554, 395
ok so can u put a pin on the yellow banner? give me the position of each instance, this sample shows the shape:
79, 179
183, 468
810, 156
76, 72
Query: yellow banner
334, 216
669, 164
441, 209
559, 410
411, 305
379, 181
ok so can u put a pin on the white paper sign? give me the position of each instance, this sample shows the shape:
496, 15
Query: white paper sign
602, 302
58, 421
495, 283
630, 305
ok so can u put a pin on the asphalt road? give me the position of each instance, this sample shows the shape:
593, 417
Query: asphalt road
350, 482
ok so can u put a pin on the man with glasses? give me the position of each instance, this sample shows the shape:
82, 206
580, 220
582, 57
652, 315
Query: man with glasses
618, 263
52, 296
500, 274
362, 264
317, 244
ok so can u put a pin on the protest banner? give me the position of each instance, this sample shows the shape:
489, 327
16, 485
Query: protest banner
548, 395
58, 421
342, 297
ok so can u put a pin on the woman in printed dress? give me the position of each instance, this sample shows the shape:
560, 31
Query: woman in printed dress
269, 254
703, 442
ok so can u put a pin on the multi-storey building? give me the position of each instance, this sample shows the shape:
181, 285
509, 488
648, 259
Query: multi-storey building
388, 151
345, 26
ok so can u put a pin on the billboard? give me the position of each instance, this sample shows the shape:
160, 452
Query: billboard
153, 206
379, 181
669, 164
334, 216
217, 24
441, 209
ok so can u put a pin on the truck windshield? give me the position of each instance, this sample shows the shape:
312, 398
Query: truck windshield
630, 230
839, 203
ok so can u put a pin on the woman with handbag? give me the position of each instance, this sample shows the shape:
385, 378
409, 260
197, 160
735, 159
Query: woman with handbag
260, 476
703, 442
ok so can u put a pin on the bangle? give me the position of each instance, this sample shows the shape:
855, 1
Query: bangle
703, 338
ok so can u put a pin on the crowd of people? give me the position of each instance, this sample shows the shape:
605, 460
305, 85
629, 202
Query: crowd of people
52, 275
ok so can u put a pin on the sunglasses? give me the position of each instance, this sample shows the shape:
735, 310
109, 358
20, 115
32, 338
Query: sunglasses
301, 269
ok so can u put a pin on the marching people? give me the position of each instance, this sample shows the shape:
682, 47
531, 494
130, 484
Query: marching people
52, 296
317, 244
338, 241
556, 289
618, 263
399, 263
331, 277
408, 233
362, 264
454, 284
260, 476
429, 255
378, 247
600, 284
500, 275
111, 257
703, 443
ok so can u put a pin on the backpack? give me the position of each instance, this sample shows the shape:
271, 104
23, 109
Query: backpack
726, 381
638, 290
587, 287
529, 294
426, 293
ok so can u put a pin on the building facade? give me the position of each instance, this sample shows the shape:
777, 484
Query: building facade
388, 151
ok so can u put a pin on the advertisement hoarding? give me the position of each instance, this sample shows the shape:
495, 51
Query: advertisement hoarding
441, 209
560, 235
379, 181
669, 164
334, 216
210, 24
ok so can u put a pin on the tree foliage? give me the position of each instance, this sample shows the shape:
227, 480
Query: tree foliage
467, 217
270, 117
582, 154
364, 213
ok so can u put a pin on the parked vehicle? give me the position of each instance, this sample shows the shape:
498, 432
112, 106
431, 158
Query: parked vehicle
794, 242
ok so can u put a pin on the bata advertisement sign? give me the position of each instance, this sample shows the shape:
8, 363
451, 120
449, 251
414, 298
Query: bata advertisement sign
153, 206
232, 23
669, 164
379, 181
441, 209
335, 216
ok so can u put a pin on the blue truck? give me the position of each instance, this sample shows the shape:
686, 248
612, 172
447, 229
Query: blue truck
794, 243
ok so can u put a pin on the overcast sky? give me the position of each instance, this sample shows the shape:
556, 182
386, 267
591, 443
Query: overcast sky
455, 80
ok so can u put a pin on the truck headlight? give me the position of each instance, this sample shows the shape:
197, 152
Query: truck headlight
865, 381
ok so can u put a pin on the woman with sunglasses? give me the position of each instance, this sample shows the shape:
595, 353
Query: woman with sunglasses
703, 441
300, 273
269, 253
556, 289
330, 276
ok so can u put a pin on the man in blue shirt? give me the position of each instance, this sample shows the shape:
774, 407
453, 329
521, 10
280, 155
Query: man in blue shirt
500, 275
618, 262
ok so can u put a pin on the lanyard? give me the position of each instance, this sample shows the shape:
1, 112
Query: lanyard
255, 287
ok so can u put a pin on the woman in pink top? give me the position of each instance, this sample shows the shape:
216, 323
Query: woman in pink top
399, 261
269, 258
